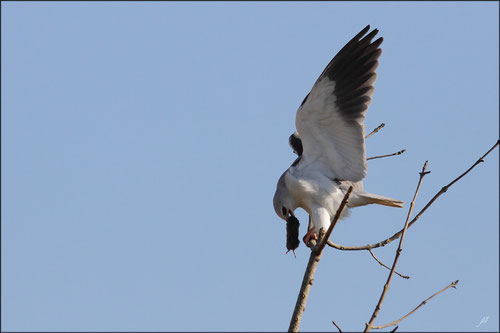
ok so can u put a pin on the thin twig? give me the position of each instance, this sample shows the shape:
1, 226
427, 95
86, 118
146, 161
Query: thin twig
388, 155
398, 253
307, 281
375, 130
398, 234
384, 265
451, 285
395, 329
340, 331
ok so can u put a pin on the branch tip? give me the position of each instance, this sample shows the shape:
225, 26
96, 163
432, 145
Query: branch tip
375, 130
340, 331
383, 265
388, 155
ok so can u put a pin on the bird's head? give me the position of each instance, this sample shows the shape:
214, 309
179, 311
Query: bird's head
283, 202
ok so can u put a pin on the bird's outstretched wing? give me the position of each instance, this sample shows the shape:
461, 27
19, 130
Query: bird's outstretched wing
330, 119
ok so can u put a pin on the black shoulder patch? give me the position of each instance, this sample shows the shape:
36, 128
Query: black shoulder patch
296, 144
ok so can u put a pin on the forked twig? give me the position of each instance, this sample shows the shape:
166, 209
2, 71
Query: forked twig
388, 155
375, 130
398, 253
384, 265
451, 285
399, 233
316, 252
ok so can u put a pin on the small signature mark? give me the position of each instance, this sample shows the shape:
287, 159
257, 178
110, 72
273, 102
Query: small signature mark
483, 321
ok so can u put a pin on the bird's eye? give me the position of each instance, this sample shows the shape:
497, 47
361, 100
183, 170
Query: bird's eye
284, 211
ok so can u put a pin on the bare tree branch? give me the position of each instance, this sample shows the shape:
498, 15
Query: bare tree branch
384, 265
316, 252
340, 331
398, 252
388, 155
375, 130
451, 285
322, 240
399, 233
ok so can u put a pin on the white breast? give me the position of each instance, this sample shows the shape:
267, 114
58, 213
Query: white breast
312, 189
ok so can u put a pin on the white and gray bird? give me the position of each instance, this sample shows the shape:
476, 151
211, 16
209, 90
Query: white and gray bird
330, 139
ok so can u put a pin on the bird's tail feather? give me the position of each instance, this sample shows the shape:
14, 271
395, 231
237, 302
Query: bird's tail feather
365, 198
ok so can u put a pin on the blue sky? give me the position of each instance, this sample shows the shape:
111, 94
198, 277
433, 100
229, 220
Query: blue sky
142, 143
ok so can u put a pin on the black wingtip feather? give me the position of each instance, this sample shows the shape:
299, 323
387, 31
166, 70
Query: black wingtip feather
370, 36
362, 32
354, 68
378, 41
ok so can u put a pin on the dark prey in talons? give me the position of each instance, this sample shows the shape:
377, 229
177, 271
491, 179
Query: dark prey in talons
292, 233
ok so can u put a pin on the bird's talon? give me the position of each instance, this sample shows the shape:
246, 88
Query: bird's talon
310, 234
